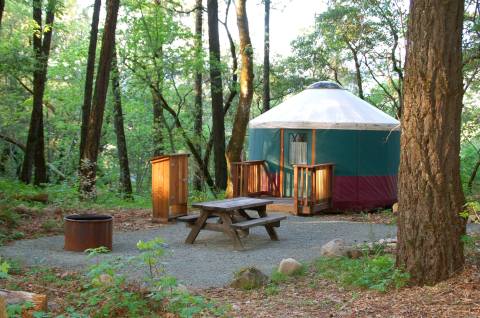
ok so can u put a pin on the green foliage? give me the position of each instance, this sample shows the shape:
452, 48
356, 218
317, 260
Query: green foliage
109, 293
202, 196
63, 195
277, 277
4, 268
271, 290
378, 273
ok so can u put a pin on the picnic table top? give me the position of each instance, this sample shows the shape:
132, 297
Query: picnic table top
232, 204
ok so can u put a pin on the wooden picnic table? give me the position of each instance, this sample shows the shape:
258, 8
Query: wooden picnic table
232, 218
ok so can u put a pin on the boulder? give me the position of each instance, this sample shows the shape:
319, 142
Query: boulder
335, 248
289, 266
249, 278
354, 253
105, 279
395, 208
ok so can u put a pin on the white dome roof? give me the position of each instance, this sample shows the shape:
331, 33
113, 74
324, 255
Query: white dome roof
325, 108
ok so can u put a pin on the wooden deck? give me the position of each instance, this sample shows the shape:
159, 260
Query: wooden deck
280, 204
312, 186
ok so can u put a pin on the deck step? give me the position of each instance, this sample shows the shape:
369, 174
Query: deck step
258, 221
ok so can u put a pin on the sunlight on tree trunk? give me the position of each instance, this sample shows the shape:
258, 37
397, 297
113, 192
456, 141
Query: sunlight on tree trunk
235, 145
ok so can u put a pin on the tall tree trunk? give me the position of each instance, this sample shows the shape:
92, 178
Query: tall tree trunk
88, 90
235, 145
430, 192
125, 181
216, 86
35, 149
88, 165
2, 8
266, 59
198, 124
157, 122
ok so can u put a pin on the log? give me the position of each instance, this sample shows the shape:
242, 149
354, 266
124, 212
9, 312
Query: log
39, 301
3, 308
40, 197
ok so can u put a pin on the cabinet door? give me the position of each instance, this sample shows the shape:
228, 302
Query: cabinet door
179, 180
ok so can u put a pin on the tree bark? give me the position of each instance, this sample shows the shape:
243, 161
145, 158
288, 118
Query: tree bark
358, 73
2, 8
88, 90
235, 145
216, 87
473, 174
157, 123
125, 181
88, 165
430, 192
35, 152
198, 109
266, 59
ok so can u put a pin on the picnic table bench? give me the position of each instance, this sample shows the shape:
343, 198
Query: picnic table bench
231, 218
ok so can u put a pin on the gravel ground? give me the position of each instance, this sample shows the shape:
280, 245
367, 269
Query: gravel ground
211, 261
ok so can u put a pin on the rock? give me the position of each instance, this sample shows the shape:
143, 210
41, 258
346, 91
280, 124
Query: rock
289, 266
105, 279
249, 278
354, 253
335, 248
395, 208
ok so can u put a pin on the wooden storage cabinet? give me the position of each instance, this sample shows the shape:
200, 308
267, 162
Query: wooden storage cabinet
169, 187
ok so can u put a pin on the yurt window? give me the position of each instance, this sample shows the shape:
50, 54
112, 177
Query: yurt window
298, 149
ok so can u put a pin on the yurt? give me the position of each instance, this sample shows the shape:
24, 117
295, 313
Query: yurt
327, 124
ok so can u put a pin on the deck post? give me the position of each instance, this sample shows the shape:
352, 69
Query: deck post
282, 158
314, 139
295, 190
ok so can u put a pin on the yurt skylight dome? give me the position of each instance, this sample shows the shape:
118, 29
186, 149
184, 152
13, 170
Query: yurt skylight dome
325, 84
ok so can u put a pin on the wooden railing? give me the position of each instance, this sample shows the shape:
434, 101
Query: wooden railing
312, 187
251, 178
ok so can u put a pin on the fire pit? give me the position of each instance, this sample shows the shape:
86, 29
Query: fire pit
83, 231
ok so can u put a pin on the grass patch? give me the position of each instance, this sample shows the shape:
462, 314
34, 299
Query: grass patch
377, 273
66, 196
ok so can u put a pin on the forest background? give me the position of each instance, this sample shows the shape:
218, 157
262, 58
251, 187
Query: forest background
161, 52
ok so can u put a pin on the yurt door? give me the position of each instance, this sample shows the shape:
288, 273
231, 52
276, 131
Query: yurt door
297, 150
